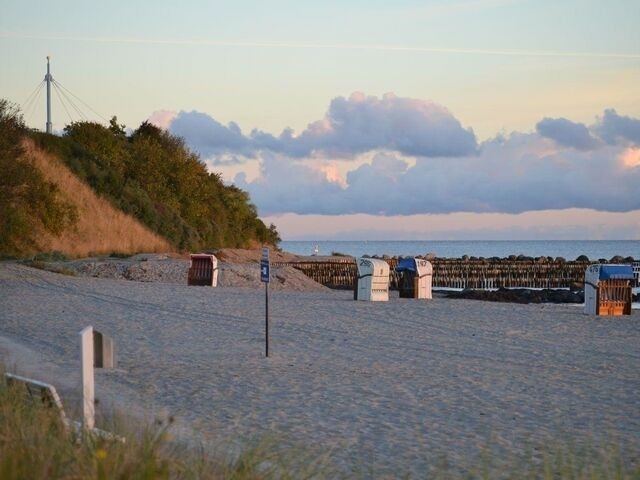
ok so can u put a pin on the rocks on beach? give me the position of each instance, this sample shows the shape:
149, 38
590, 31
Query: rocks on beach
520, 295
238, 268
161, 268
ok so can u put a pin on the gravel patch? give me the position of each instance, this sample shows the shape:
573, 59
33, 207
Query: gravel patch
157, 268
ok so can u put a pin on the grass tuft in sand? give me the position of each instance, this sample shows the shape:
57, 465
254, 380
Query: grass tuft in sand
35, 444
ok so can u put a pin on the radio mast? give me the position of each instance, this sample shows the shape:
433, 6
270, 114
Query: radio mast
48, 79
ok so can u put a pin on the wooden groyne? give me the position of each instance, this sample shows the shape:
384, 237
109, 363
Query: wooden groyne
340, 273
485, 274
543, 272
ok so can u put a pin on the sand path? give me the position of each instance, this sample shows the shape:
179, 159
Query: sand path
389, 386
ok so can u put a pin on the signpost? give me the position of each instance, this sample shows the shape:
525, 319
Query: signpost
264, 277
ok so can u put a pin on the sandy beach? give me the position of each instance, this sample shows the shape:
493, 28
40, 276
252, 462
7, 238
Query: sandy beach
387, 387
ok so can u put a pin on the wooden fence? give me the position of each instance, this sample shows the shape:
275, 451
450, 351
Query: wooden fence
460, 273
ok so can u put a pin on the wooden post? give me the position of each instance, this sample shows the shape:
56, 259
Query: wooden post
88, 387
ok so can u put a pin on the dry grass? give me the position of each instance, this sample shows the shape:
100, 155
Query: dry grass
35, 444
100, 228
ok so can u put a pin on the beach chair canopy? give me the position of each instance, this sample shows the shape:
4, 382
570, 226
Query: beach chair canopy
616, 272
406, 265
372, 267
416, 265
415, 278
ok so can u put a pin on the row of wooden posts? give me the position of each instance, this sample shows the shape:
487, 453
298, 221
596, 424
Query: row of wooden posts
459, 273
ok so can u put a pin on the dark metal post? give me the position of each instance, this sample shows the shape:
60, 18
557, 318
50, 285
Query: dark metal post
265, 266
266, 318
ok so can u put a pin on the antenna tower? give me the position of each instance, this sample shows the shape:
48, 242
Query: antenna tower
48, 78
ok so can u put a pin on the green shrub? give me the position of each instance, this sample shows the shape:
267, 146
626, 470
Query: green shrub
29, 204
154, 177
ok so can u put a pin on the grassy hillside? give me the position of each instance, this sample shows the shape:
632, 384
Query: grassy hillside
154, 177
30, 206
98, 226
95, 189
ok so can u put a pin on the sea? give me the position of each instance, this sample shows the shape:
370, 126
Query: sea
567, 249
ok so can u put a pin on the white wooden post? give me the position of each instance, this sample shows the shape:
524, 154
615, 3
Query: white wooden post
88, 391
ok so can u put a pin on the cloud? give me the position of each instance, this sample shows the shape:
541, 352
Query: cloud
209, 137
400, 156
162, 118
216, 143
567, 133
616, 129
516, 174
630, 157
283, 183
611, 128
352, 126
364, 123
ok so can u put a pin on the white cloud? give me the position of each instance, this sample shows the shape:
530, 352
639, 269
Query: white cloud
364, 123
410, 156
517, 174
352, 126
286, 182
162, 118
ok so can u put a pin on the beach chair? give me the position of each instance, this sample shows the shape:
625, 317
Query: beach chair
416, 277
203, 270
372, 283
607, 289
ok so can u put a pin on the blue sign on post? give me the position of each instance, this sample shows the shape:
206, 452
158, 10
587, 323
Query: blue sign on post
264, 265
264, 277
264, 271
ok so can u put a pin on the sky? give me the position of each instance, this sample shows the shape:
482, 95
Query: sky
462, 119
